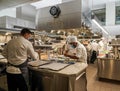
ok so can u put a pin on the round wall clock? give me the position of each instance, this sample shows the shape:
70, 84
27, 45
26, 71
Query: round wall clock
55, 11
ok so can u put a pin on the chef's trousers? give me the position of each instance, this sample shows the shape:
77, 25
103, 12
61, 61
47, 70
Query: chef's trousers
16, 81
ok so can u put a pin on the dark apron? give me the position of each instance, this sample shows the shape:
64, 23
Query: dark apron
24, 70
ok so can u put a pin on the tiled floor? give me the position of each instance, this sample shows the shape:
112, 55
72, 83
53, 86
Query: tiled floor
93, 83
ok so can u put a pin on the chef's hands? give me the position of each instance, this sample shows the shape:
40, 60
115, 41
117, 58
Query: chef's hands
73, 56
66, 53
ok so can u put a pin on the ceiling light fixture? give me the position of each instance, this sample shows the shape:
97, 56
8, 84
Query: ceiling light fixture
100, 26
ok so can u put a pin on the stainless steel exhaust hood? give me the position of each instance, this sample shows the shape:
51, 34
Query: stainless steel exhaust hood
70, 16
11, 23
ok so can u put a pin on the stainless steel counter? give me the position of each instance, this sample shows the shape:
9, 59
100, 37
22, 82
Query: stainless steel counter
71, 78
109, 68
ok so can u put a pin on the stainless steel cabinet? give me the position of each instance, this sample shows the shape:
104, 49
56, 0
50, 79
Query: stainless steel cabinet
66, 79
49, 82
109, 68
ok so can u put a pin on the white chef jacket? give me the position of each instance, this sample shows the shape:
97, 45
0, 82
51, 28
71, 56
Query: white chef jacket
79, 51
17, 51
95, 46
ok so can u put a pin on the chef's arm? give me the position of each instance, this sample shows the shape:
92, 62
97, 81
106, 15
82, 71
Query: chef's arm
71, 56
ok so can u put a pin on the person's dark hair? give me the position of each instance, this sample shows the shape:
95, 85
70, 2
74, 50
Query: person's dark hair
25, 30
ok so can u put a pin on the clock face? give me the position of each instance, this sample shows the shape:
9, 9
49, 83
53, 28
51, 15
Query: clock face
55, 11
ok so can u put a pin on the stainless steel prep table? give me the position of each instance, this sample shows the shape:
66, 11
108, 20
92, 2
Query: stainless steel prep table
109, 68
71, 78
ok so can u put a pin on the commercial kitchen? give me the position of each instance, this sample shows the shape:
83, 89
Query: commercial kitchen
94, 24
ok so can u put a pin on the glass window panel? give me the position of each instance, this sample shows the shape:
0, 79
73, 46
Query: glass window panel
117, 15
100, 14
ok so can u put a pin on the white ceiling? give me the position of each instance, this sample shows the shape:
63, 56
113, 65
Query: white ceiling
11, 3
46, 3
99, 2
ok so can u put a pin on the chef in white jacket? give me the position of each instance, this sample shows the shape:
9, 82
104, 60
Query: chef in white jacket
75, 50
16, 52
94, 50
